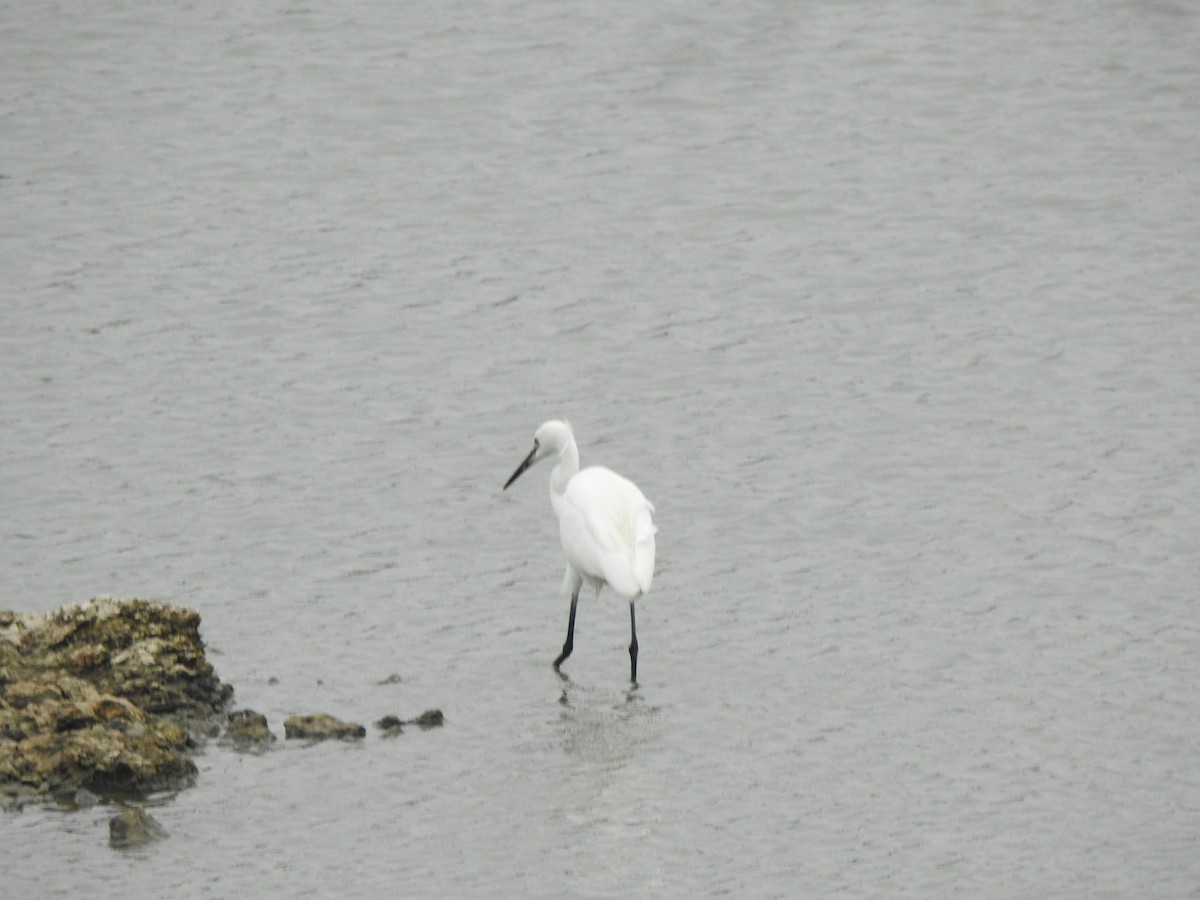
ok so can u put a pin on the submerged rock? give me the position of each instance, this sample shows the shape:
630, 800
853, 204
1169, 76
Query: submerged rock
80, 799
104, 696
132, 827
247, 730
321, 727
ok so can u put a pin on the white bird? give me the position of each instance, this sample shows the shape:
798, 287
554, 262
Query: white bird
605, 524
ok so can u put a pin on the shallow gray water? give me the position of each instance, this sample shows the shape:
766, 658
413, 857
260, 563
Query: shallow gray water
890, 308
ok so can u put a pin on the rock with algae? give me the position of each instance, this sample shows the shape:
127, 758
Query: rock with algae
107, 696
134, 827
319, 727
247, 731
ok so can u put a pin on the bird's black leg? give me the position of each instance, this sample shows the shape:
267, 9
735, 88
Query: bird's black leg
632, 645
569, 644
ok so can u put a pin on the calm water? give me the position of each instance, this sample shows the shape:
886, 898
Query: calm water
890, 308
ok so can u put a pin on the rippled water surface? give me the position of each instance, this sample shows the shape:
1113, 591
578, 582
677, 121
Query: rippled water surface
890, 308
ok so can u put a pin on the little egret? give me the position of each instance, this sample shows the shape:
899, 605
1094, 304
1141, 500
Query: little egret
605, 525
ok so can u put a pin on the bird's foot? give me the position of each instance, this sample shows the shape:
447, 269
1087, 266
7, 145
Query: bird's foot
566, 651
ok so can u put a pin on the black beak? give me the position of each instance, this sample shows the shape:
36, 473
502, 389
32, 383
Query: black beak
522, 467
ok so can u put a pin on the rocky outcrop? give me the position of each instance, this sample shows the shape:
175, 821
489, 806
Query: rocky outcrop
109, 696
109, 699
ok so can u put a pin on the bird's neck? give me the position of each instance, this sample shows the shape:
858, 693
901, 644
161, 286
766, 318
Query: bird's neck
568, 465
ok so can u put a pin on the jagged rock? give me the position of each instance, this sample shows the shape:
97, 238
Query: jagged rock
320, 727
104, 696
247, 730
132, 827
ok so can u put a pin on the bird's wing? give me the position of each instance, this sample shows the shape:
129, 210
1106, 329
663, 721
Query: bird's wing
607, 530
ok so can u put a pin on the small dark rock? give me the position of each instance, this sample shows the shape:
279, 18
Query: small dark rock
393, 725
320, 727
431, 718
247, 731
390, 726
133, 827
394, 678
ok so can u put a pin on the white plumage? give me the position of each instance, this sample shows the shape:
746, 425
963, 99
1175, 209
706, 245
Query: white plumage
605, 523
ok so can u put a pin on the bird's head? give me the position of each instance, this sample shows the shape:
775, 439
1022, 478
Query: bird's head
551, 438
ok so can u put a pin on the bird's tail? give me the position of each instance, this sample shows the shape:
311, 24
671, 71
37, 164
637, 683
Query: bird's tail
643, 548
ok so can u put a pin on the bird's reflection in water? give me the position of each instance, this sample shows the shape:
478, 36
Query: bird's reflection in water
603, 726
